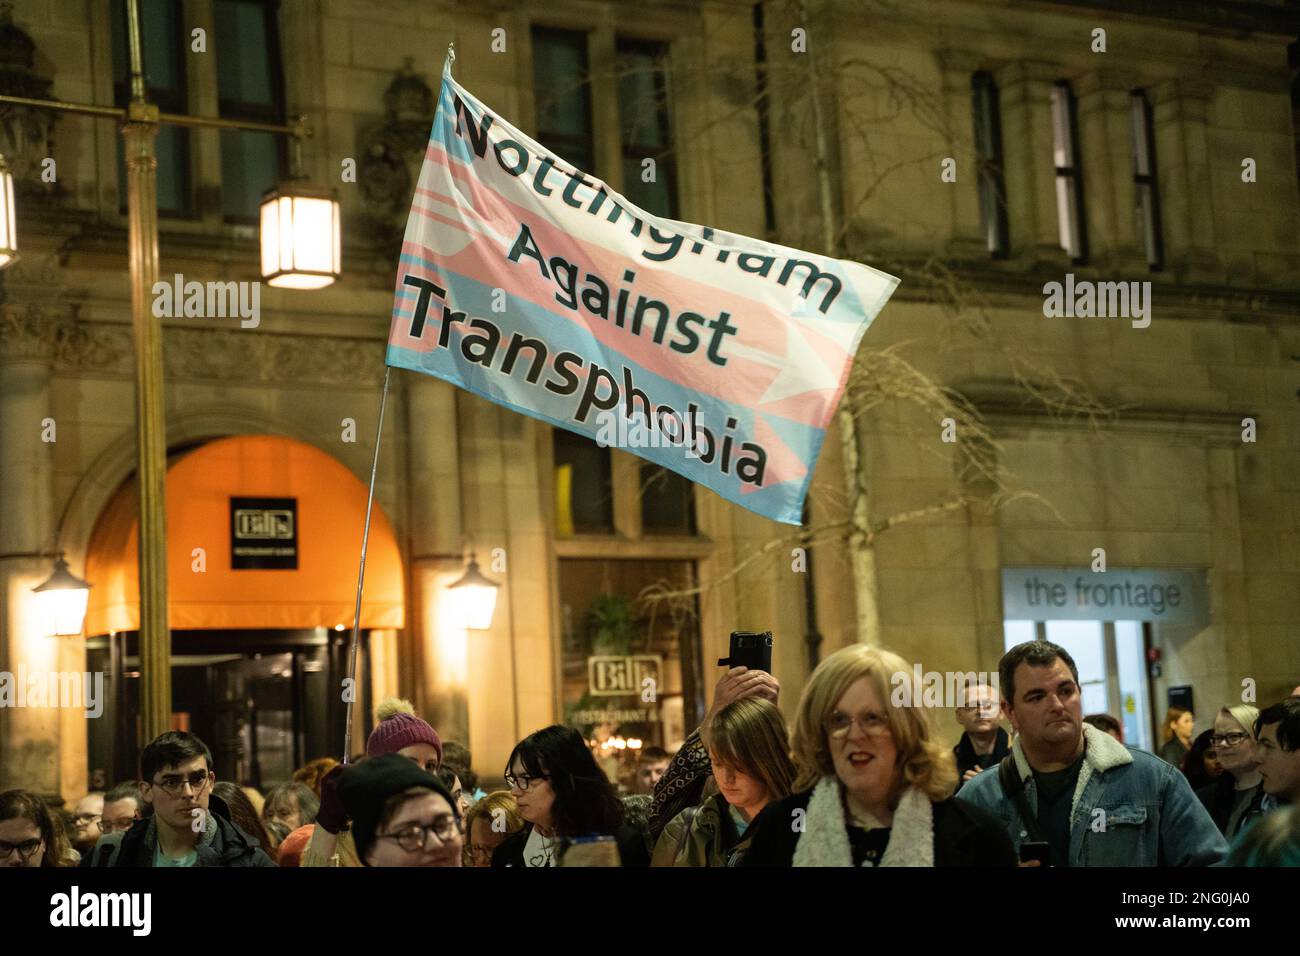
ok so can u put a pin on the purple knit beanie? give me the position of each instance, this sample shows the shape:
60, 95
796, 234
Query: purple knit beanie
399, 727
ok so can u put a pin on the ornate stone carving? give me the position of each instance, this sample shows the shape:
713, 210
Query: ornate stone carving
26, 332
392, 153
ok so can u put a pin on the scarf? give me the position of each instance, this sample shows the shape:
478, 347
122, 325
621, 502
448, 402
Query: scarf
825, 839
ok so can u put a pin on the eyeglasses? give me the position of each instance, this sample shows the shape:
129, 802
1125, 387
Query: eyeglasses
81, 819
415, 837
1227, 740
116, 826
174, 784
524, 781
26, 850
481, 854
873, 725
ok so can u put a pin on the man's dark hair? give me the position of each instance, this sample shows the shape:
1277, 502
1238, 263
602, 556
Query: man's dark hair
653, 754
169, 750
457, 756
127, 790
1286, 714
1105, 723
1035, 654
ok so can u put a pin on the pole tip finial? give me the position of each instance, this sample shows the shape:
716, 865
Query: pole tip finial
451, 51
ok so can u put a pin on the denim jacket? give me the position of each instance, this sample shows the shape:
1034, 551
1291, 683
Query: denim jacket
1150, 816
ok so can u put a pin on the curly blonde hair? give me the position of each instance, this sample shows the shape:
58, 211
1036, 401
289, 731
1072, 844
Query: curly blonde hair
925, 761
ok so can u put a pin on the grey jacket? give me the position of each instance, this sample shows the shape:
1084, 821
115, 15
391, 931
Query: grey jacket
1130, 808
222, 843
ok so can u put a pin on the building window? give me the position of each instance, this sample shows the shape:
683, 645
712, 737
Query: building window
562, 86
584, 485
249, 87
645, 127
164, 42
1069, 177
988, 158
1144, 180
667, 501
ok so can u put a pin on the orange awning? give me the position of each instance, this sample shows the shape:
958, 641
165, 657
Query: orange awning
204, 591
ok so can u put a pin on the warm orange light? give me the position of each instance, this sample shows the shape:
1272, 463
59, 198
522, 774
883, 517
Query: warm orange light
301, 237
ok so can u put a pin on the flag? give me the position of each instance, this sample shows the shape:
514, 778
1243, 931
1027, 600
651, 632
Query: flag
533, 284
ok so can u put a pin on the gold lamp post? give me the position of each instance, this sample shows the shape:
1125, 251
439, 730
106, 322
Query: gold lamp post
139, 124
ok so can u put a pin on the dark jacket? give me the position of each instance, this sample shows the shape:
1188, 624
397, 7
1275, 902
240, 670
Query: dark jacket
967, 759
702, 836
963, 835
1217, 797
631, 847
222, 843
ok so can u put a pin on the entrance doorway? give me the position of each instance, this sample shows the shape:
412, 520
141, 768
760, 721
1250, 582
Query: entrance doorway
1112, 660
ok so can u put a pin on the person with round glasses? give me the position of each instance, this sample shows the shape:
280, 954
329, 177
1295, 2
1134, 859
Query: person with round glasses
401, 815
875, 782
29, 834
1236, 797
562, 794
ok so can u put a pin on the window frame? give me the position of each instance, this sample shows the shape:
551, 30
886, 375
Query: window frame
1070, 208
1145, 185
990, 164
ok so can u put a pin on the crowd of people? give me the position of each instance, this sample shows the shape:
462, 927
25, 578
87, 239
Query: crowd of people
860, 780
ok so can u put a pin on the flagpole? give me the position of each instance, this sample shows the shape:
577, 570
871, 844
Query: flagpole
361, 575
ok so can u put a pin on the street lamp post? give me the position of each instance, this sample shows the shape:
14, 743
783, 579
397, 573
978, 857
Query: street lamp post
139, 123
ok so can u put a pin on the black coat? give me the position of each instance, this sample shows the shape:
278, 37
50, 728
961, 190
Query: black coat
967, 759
631, 847
1217, 797
227, 845
964, 835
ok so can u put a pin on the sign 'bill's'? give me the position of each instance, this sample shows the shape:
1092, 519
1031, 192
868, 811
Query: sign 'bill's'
532, 283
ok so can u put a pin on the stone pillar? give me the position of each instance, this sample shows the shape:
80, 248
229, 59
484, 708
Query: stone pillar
1179, 109
1115, 240
966, 239
29, 737
437, 678
1025, 94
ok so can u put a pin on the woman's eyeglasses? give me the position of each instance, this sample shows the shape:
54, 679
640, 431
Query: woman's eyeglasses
1227, 740
415, 837
26, 850
523, 781
873, 725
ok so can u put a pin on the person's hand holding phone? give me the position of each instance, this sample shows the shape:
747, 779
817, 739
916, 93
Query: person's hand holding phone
740, 682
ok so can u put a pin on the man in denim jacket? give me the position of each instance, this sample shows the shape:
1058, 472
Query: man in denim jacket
1094, 801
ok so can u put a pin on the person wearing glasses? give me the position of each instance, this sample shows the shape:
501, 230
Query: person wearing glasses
401, 815
875, 782
122, 807
86, 815
1234, 797
29, 833
190, 826
489, 823
983, 741
562, 794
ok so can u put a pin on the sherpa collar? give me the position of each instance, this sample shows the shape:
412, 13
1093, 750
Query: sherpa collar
1101, 752
825, 840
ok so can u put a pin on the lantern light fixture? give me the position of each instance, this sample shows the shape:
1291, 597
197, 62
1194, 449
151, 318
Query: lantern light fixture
475, 596
62, 601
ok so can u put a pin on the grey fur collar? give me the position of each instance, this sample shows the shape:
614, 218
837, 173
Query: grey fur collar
1101, 752
825, 840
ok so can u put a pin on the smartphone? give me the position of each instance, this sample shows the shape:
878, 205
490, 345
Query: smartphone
750, 649
1042, 852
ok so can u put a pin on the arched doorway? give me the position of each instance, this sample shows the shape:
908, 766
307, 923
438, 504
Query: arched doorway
263, 537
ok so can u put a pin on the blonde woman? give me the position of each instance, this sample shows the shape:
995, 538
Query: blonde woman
875, 783
488, 824
1235, 798
749, 753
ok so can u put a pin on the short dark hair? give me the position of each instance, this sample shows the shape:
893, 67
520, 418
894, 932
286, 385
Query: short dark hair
653, 754
169, 750
457, 756
126, 790
1105, 723
1286, 714
1035, 654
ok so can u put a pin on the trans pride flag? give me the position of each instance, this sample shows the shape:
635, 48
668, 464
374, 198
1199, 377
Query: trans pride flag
530, 282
